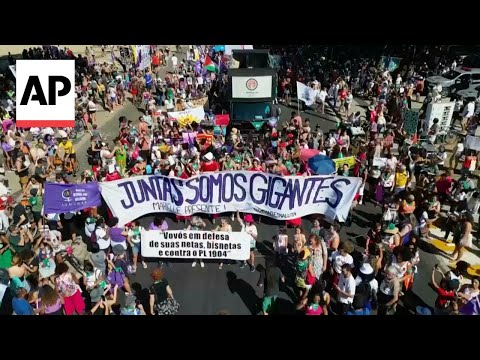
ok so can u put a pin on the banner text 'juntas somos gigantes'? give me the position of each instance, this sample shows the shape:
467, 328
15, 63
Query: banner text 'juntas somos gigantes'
212, 193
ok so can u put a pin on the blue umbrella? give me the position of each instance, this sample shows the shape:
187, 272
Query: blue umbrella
321, 165
218, 48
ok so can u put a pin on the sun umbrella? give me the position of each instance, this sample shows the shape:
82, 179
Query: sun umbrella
321, 165
306, 154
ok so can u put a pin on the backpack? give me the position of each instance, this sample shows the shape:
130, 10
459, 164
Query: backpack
116, 277
362, 295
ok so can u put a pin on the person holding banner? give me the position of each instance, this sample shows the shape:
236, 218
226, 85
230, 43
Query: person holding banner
197, 224
248, 227
225, 227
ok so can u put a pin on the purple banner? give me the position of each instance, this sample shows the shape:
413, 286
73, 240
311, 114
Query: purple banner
62, 198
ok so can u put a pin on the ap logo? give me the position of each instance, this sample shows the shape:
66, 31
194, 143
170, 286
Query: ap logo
45, 93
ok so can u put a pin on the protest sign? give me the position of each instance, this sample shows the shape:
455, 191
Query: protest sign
472, 143
350, 161
62, 198
187, 116
222, 120
200, 102
279, 197
182, 244
141, 56
379, 162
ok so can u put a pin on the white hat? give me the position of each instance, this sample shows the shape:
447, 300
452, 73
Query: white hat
366, 269
62, 134
208, 156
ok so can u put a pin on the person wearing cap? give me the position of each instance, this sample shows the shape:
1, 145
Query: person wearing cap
388, 292
209, 164
131, 307
118, 266
102, 302
249, 227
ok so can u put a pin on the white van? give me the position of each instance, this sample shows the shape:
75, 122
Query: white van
459, 79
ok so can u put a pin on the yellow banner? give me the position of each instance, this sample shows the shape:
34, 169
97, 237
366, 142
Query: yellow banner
350, 161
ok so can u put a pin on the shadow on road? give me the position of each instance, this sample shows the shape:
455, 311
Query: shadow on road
142, 295
245, 291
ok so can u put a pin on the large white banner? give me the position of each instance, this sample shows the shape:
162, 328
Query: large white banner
182, 244
251, 87
279, 197
305, 93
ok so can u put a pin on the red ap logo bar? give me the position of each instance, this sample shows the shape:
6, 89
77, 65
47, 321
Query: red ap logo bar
45, 93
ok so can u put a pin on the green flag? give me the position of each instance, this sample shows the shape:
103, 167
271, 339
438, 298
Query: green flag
258, 124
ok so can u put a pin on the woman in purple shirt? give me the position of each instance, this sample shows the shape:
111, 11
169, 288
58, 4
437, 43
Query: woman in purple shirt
7, 152
51, 303
158, 223
118, 235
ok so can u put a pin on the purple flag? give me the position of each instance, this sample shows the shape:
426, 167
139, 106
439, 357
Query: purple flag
198, 67
62, 198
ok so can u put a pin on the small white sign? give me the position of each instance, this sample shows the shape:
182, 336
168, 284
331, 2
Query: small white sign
251, 87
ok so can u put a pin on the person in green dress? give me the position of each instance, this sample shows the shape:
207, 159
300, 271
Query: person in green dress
120, 155
5, 253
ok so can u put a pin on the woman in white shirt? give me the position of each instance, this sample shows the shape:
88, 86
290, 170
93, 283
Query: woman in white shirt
341, 257
248, 226
225, 227
108, 158
102, 233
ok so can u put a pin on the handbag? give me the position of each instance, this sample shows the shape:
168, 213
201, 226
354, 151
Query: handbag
388, 216
170, 306
167, 307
